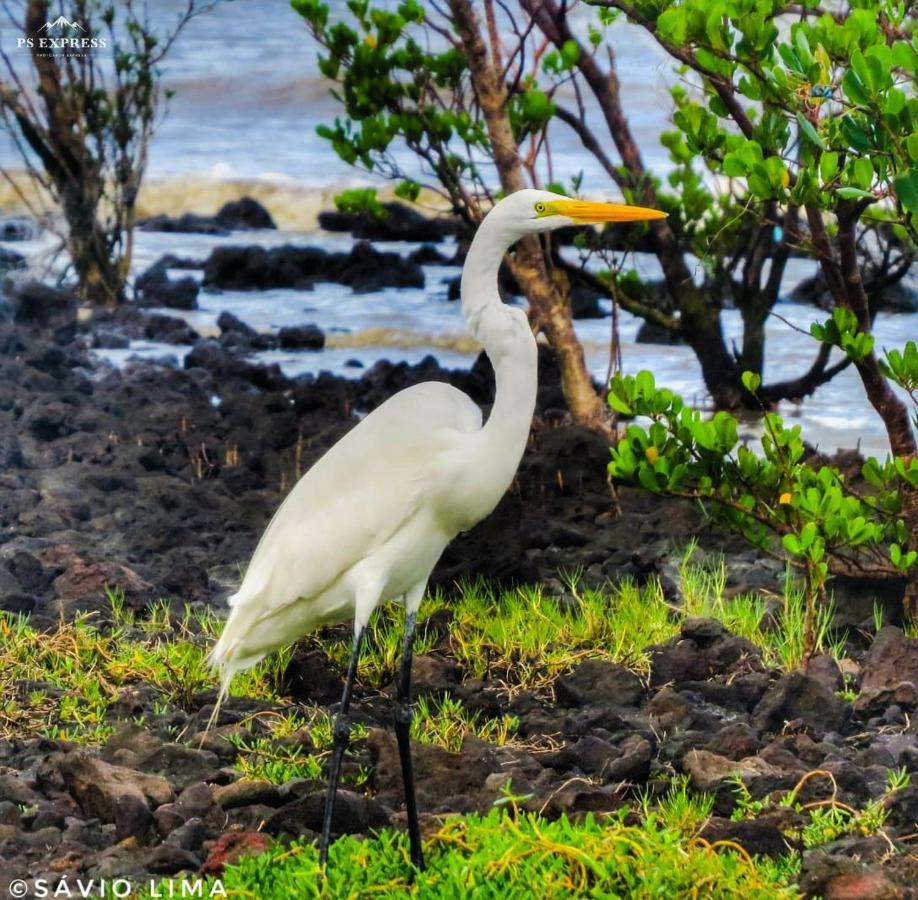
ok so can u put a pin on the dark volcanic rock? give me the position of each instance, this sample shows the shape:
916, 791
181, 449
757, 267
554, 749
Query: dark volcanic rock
234, 333
237, 215
168, 859
705, 648
799, 696
599, 683
443, 779
257, 268
585, 302
169, 330
82, 587
428, 255
652, 333
182, 765
631, 762
310, 677
254, 268
301, 337
245, 792
898, 297
400, 223
239, 268
113, 793
707, 770
188, 223
354, 814
365, 269
757, 838
36, 304
825, 669
155, 288
890, 672
245, 213
212, 356
734, 741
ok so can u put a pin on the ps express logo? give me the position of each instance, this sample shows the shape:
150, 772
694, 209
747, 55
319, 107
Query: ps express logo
62, 34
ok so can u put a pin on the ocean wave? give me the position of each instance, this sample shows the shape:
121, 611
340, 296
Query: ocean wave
295, 206
404, 338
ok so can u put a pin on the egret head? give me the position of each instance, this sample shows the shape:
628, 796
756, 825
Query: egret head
528, 211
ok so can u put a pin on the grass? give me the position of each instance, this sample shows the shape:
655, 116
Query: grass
827, 819
651, 849
445, 722
268, 757
506, 854
62, 684
780, 636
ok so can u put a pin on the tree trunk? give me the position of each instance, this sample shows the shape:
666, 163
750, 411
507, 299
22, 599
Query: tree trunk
99, 278
69, 162
699, 316
845, 283
550, 304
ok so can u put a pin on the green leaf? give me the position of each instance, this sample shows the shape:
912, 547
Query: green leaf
854, 89
850, 193
828, 166
854, 133
408, 190
733, 166
672, 24
809, 132
570, 53
751, 381
863, 172
648, 478
911, 142
907, 190
619, 405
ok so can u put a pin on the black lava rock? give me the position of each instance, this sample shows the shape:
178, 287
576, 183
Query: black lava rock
244, 214
155, 288
799, 696
301, 337
169, 330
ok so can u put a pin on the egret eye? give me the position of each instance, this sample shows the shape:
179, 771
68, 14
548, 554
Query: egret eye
540, 208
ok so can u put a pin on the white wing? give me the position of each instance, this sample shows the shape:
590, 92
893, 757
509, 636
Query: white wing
352, 501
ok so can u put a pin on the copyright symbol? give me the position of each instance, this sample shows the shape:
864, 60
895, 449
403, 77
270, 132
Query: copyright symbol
18, 888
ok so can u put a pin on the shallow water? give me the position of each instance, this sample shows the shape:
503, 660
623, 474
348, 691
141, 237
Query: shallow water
408, 324
248, 97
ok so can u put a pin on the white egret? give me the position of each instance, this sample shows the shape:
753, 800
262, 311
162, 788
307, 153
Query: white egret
368, 522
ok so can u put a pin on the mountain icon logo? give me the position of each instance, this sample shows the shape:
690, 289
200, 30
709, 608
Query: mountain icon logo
62, 22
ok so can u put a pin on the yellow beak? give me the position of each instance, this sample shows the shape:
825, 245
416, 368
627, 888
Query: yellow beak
591, 213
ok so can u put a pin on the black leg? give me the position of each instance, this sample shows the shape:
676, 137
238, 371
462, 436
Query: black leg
342, 733
403, 716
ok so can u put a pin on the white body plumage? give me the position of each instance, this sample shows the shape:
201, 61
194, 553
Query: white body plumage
368, 522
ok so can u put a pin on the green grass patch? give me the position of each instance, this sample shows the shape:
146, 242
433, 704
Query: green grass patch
827, 819
507, 855
446, 722
781, 635
62, 683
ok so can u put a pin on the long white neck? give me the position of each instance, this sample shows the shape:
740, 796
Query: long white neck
515, 360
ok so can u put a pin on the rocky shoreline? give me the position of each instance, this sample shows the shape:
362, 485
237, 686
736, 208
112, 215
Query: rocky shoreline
157, 482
